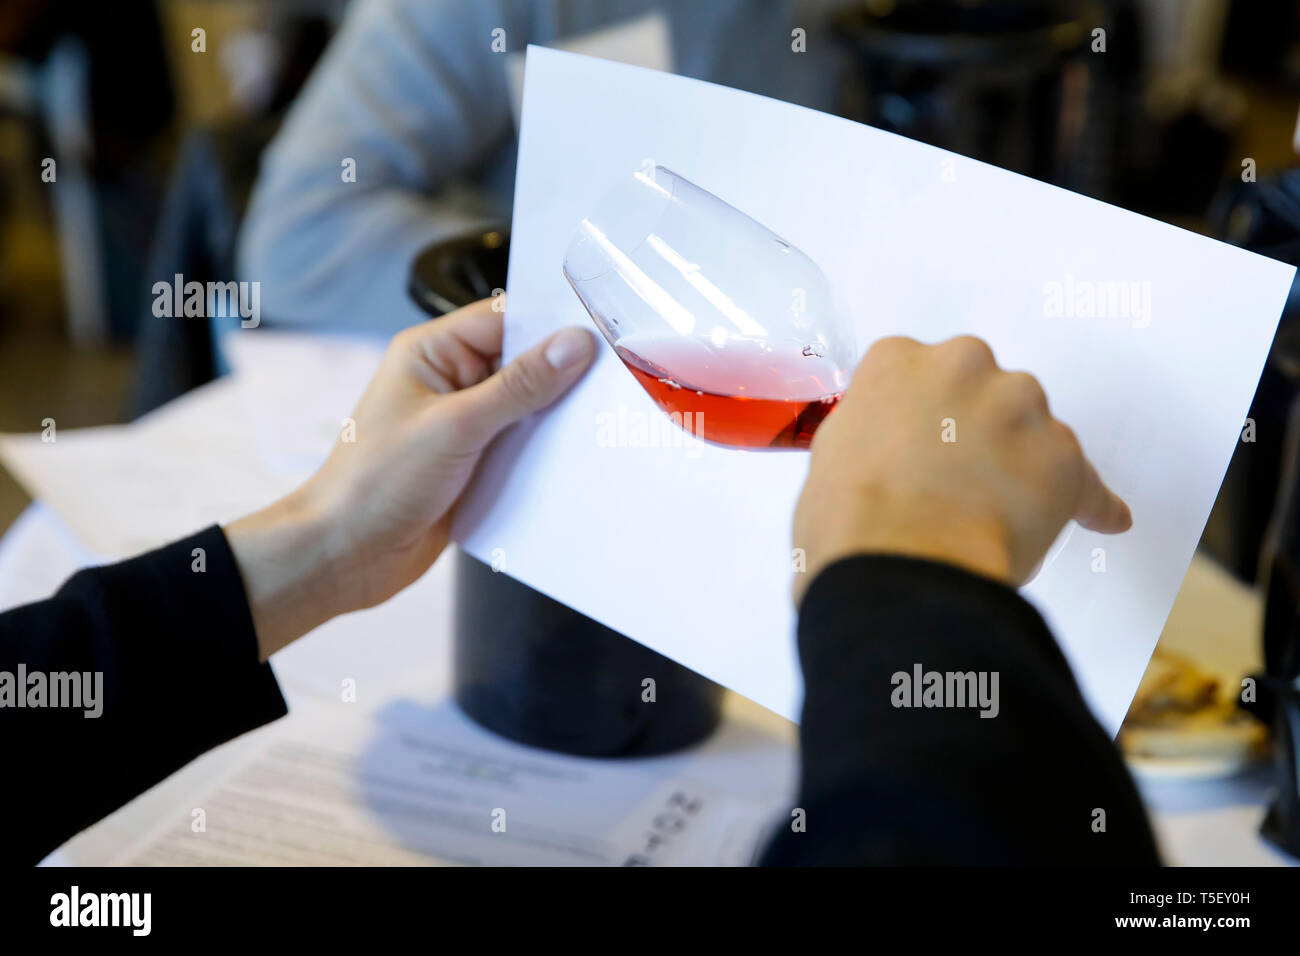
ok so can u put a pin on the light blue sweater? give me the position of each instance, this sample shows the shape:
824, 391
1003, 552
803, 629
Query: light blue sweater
413, 92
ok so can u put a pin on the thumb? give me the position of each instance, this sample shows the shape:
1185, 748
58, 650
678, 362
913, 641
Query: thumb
528, 384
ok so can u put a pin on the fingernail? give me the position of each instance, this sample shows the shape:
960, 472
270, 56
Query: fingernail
568, 347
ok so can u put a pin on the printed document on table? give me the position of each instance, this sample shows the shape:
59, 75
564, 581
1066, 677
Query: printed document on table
426, 786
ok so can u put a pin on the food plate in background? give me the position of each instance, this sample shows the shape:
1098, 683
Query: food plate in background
1184, 723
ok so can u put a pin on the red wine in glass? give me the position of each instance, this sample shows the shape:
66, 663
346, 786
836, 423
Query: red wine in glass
747, 393
733, 331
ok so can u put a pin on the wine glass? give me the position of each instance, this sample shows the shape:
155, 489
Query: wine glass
732, 330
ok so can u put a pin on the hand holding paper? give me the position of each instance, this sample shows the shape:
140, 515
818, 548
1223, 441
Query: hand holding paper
378, 512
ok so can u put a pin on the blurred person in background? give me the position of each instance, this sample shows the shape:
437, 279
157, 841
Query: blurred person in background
418, 95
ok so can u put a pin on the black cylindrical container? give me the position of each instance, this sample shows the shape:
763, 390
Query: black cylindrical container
537, 671
528, 667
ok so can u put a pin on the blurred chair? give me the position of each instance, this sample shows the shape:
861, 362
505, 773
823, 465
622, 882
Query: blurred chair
1277, 700
1009, 82
205, 203
1259, 502
1263, 217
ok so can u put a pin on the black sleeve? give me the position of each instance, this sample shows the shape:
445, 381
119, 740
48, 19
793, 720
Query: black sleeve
884, 783
175, 654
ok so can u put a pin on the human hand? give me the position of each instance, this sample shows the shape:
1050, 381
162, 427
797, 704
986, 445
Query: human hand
884, 480
378, 512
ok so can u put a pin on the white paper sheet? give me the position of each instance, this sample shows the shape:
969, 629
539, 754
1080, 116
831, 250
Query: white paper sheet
297, 389
687, 549
124, 489
212, 455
